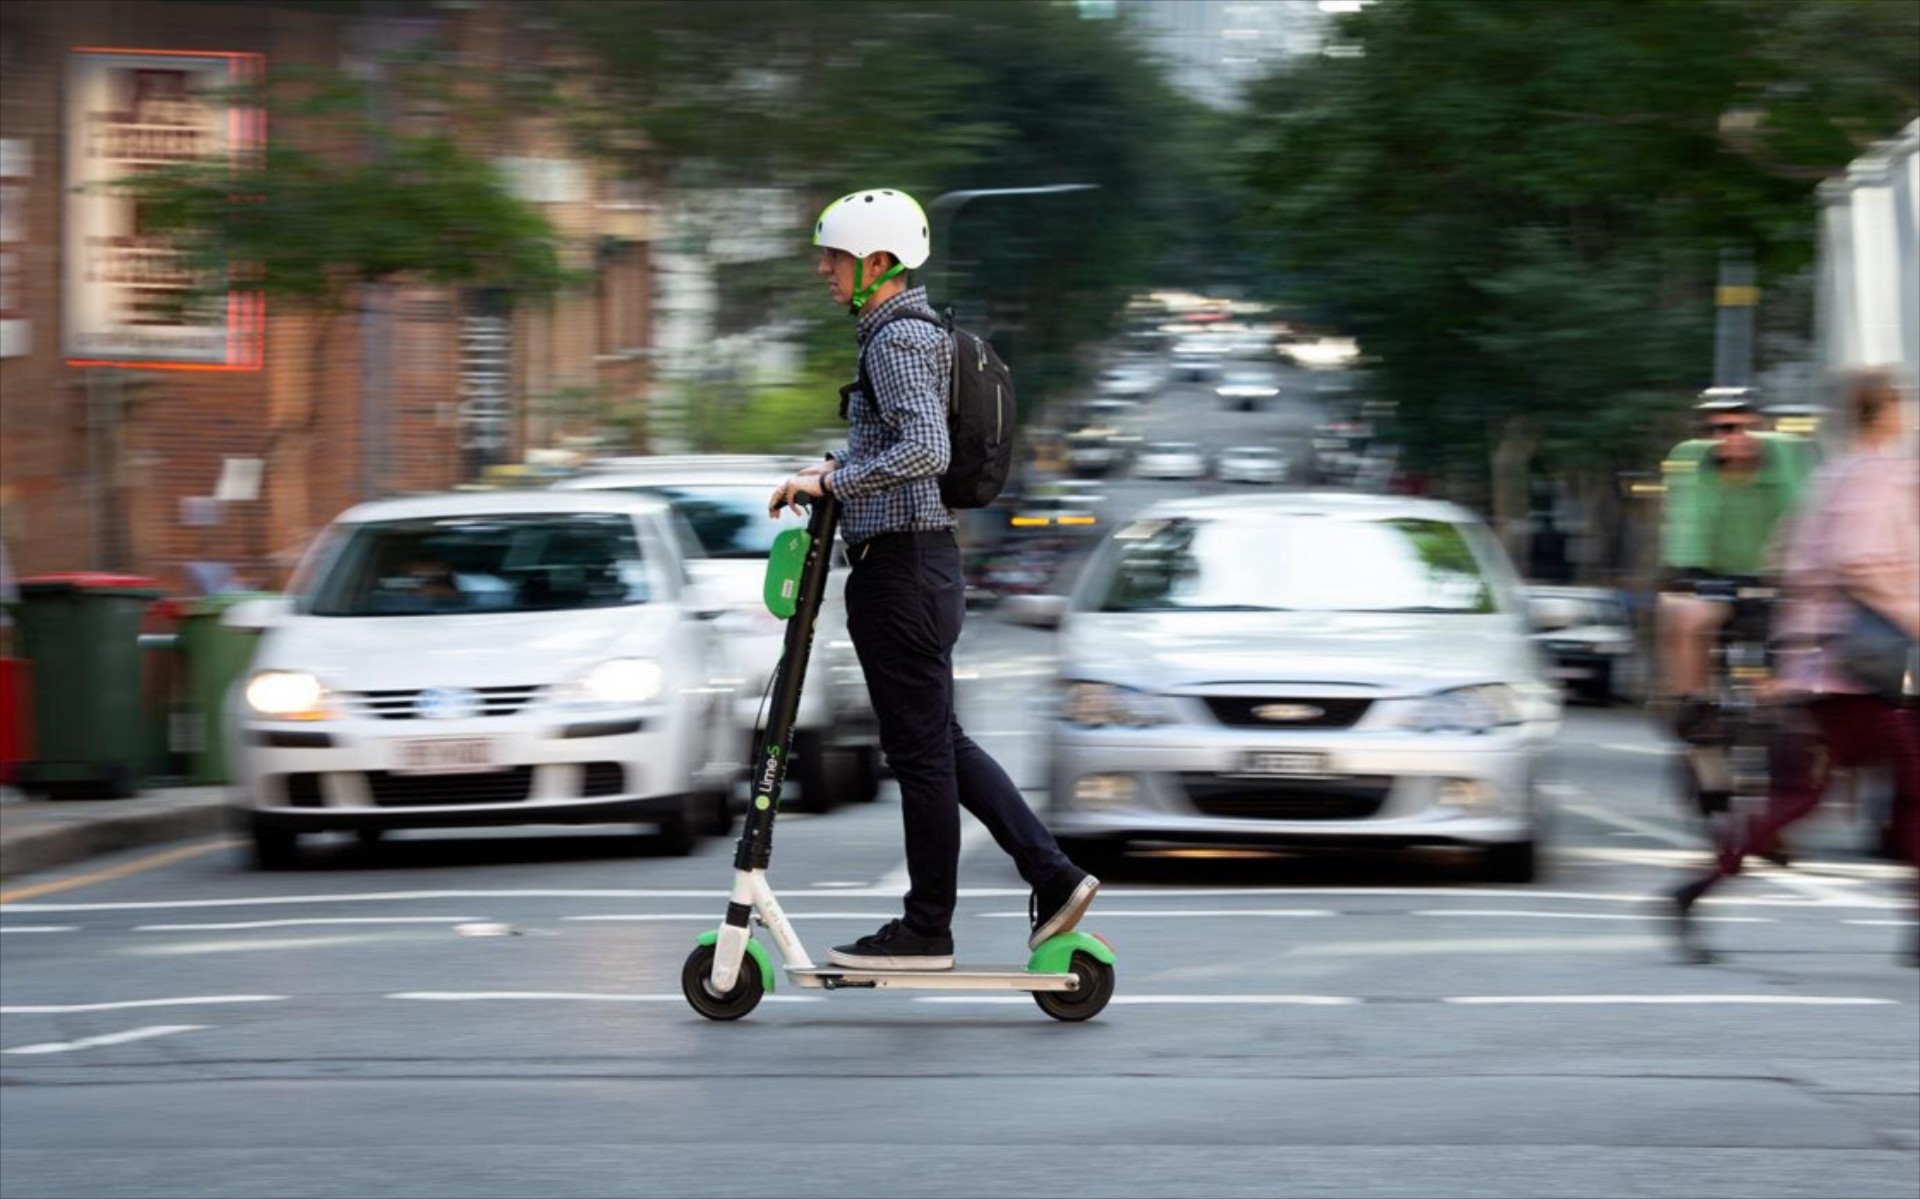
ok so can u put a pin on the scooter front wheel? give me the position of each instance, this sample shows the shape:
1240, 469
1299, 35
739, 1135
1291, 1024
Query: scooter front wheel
696, 983
1085, 1002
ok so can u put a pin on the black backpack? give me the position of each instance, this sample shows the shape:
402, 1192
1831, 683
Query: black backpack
979, 414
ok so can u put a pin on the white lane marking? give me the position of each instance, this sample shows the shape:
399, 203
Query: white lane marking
112, 1038
1634, 824
569, 996
253, 945
1497, 912
719, 895
1477, 945
1179, 913
711, 918
1761, 1000
1880, 923
896, 881
1826, 893
39, 928
26, 1009
1185, 1000
1655, 751
1802, 868
299, 923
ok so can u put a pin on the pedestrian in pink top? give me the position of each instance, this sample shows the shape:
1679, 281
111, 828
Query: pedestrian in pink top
1855, 544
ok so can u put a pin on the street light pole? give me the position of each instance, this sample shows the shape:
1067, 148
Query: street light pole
940, 219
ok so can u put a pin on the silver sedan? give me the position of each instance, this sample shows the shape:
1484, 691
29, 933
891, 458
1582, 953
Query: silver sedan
1308, 668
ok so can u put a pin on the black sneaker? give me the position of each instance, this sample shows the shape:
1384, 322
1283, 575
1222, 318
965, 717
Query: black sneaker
895, 947
1057, 904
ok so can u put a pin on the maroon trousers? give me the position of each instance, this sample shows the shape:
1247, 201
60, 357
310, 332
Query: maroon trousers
1836, 730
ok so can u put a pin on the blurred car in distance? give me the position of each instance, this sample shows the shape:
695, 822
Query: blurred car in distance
723, 501
1171, 460
1251, 464
1094, 451
484, 659
1587, 634
1129, 380
1247, 388
1198, 358
1298, 669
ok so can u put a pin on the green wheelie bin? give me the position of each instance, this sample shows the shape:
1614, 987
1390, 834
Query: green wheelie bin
82, 633
215, 655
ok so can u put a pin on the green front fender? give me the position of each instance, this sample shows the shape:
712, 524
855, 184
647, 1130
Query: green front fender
758, 953
1055, 955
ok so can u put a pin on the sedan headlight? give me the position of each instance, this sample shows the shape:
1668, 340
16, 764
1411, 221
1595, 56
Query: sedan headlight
288, 695
1466, 710
624, 681
1104, 705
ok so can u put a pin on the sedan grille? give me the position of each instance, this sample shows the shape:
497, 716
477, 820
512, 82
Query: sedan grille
443, 790
1287, 712
404, 705
1355, 798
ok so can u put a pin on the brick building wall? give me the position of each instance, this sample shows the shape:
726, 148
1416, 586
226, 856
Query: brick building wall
98, 466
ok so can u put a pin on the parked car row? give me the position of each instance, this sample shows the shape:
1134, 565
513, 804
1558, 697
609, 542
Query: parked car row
591, 654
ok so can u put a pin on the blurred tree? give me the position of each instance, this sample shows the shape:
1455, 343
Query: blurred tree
346, 194
930, 97
1517, 205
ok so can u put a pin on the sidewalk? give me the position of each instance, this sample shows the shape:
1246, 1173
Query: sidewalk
43, 834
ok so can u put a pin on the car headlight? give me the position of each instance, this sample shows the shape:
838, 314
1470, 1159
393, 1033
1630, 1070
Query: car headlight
288, 695
624, 681
1466, 710
1104, 705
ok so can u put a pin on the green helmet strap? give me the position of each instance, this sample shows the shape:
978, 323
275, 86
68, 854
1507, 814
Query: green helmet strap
862, 294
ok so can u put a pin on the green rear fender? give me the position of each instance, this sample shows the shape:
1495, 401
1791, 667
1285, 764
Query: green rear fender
1055, 955
758, 953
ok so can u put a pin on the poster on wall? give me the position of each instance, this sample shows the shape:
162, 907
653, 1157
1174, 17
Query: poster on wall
130, 111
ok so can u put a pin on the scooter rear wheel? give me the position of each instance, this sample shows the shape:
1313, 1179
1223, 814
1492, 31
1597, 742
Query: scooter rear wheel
696, 983
1096, 987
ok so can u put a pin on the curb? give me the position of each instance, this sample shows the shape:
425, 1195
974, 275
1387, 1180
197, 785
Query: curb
27, 851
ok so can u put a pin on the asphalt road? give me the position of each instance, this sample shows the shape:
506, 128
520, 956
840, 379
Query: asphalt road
1284, 1026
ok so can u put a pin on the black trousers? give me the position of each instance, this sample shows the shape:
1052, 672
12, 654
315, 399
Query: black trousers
905, 604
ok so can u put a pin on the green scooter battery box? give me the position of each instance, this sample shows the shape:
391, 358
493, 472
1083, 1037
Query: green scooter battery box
784, 564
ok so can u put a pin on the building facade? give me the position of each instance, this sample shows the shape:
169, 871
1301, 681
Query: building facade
132, 439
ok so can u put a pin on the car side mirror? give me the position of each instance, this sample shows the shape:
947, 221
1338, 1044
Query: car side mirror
257, 615
1040, 611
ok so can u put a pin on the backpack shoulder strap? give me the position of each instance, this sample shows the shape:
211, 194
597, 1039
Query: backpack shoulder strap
864, 381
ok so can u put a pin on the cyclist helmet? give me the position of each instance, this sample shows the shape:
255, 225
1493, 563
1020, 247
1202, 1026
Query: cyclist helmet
1715, 401
868, 222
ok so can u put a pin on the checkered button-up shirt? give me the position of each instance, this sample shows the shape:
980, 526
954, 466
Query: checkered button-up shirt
888, 478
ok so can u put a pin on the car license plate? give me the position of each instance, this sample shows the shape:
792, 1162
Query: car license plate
1572, 673
447, 755
1289, 763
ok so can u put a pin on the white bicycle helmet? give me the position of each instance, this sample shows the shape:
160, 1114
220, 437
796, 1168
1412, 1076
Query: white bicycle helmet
868, 222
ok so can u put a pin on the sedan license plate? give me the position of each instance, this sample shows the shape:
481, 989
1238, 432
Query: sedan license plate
447, 755
1286, 763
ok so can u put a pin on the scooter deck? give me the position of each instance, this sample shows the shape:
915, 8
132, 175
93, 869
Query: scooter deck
967, 978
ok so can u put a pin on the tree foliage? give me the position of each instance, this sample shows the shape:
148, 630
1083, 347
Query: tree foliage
929, 97
1518, 205
342, 196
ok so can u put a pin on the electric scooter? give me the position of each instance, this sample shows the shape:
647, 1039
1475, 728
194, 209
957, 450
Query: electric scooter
1070, 975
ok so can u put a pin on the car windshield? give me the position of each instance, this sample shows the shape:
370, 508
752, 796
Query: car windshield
1254, 452
729, 519
1172, 447
459, 565
1304, 564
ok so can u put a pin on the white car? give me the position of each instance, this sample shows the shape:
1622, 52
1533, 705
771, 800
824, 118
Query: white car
723, 500
484, 658
1299, 669
1252, 464
1129, 381
1171, 460
1247, 389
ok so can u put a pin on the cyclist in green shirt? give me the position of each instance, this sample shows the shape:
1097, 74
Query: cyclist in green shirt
1725, 495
